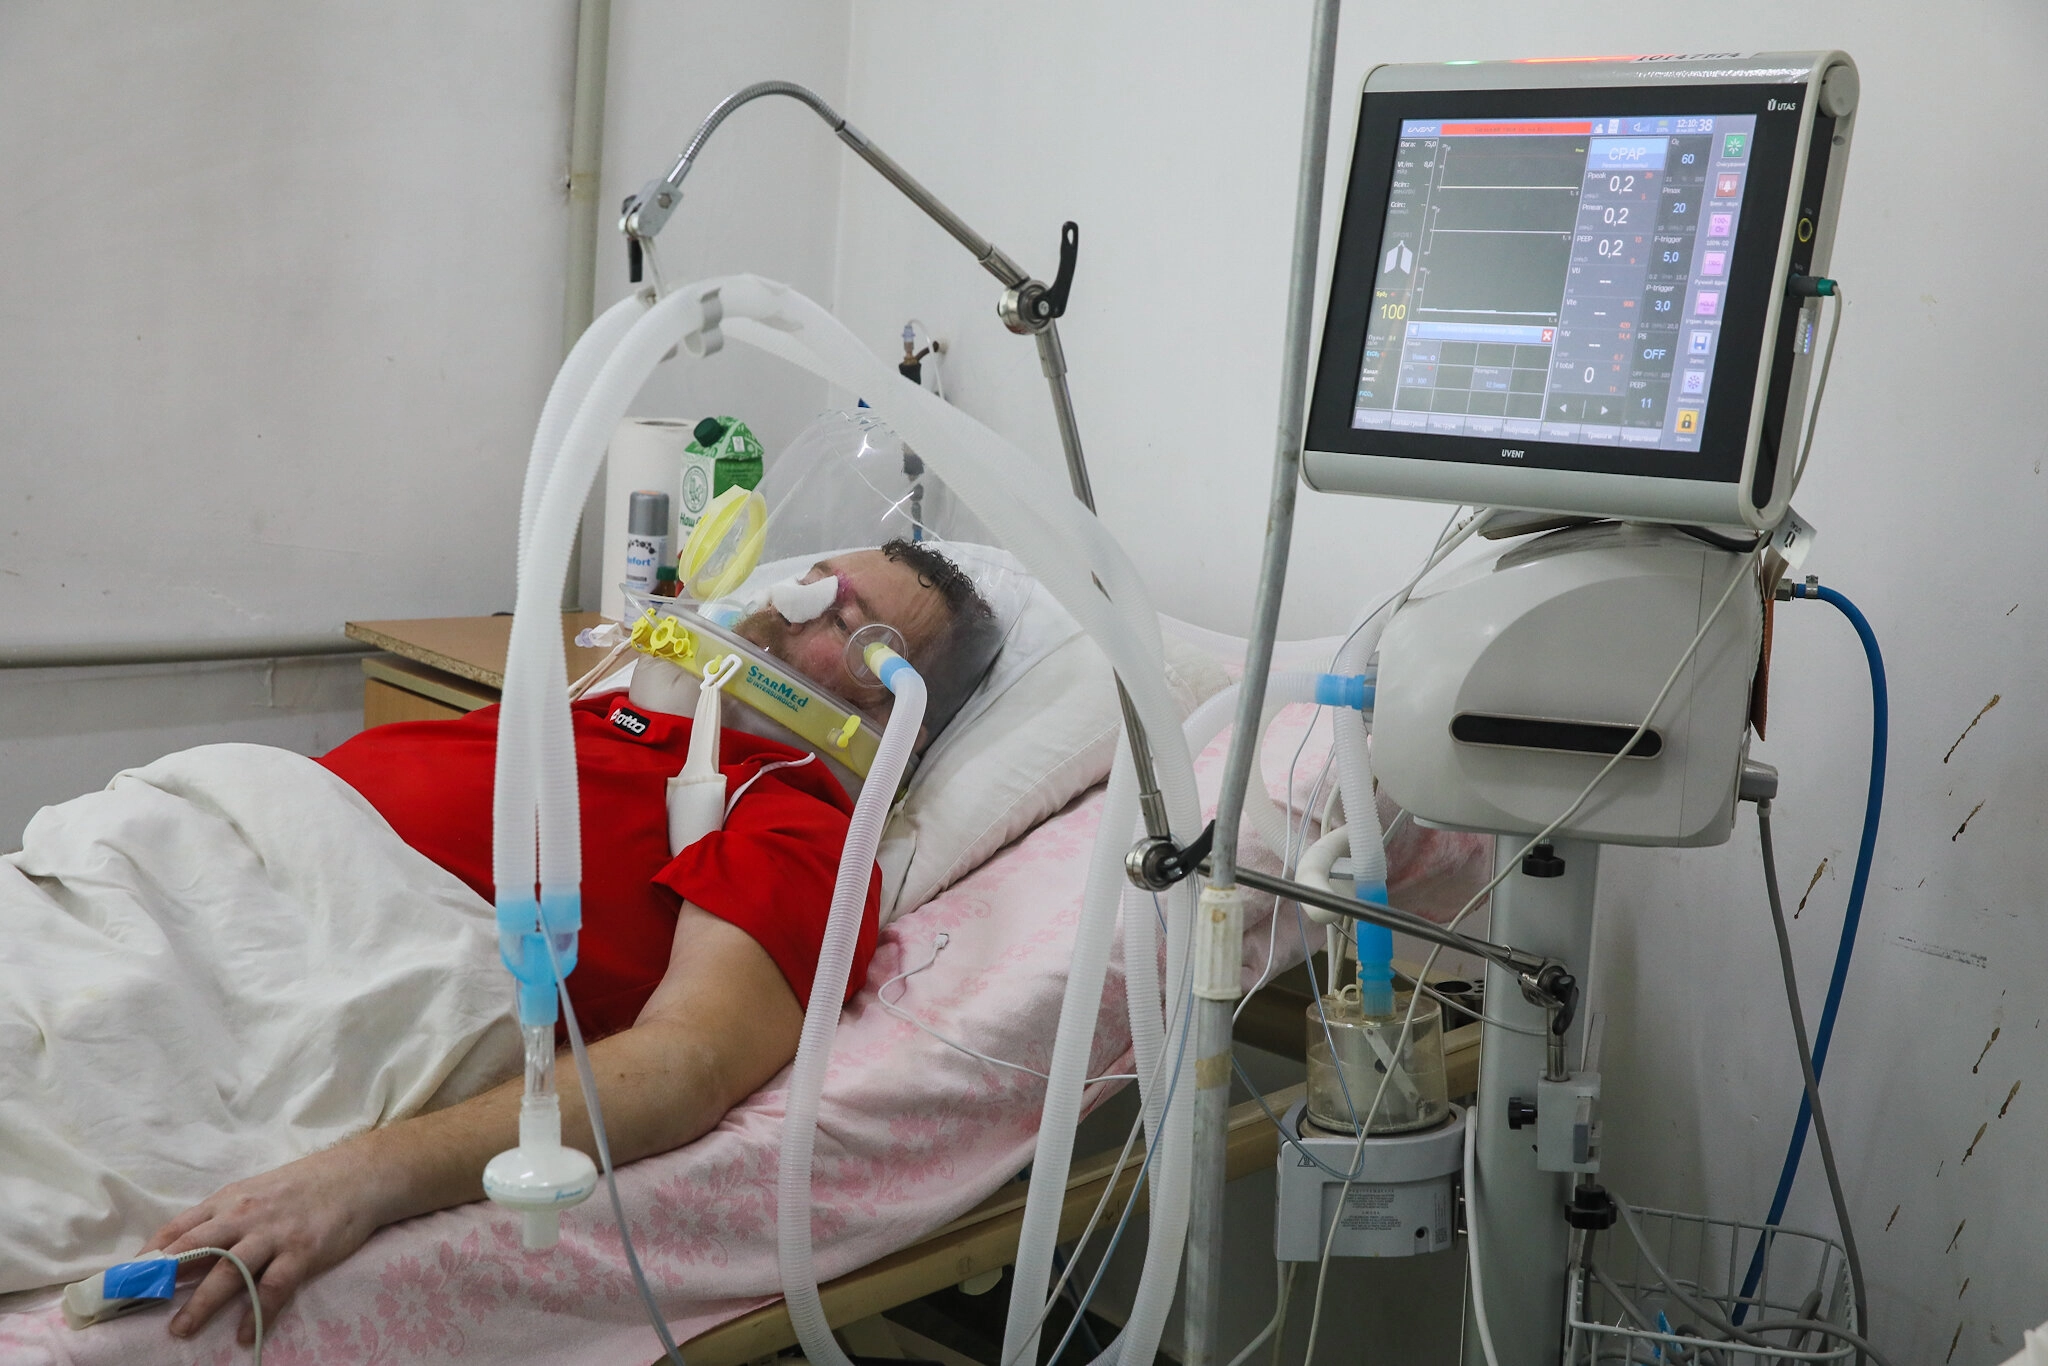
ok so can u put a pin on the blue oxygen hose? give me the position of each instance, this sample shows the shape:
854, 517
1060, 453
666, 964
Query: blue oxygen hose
1873, 809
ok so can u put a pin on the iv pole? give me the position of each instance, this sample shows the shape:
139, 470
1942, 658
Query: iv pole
1220, 933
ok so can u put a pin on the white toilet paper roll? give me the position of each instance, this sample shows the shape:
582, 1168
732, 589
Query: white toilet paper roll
645, 453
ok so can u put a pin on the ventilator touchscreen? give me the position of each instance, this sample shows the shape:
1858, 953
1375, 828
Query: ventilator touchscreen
1586, 287
1560, 278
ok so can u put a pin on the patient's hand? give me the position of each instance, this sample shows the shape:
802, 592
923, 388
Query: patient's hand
286, 1225
721, 1023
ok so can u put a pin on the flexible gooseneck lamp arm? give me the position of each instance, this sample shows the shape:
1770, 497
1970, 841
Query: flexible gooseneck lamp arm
1028, 307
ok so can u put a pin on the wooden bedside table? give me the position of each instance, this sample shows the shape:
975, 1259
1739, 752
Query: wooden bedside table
442, 667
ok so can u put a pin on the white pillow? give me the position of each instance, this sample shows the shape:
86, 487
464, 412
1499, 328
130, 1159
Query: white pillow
1043, 739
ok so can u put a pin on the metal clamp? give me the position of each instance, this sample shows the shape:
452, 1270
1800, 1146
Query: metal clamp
1156, 863
1034, 305
1553, 988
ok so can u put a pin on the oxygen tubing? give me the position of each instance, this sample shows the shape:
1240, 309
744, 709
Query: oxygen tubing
1852, 917
1079, 1005
821, 1018
532, 712
1148, 1038
514, 799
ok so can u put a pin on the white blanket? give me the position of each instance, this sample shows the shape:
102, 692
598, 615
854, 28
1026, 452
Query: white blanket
222, 962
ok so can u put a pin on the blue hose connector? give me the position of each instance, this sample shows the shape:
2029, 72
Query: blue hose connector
1344, 690
526, 928
1374, 945
890, 667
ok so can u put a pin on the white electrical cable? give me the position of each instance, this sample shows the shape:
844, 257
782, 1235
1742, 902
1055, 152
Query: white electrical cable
760, 773
587, 1076
1284, 1278
248, 1284
896, 1008
1472, 1245
1820, 387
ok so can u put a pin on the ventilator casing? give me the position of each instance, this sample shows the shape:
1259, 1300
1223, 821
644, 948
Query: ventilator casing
1390, 416
1505, 690
1401, 1205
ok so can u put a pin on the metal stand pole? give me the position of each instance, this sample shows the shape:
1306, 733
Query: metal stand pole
1518, 1209
1027, 307
1219, 931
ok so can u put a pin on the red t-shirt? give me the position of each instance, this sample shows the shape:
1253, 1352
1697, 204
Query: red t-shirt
770, 871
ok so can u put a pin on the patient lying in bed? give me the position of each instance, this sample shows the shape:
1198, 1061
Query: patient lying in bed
694, 969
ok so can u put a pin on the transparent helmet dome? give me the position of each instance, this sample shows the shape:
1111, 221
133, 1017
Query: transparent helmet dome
850, 540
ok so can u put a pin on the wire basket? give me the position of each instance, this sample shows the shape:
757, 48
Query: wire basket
1616, 1291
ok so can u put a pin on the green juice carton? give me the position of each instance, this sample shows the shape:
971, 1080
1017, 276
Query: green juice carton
723, 453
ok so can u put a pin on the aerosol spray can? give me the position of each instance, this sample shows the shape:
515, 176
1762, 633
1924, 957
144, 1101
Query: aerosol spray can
646, 540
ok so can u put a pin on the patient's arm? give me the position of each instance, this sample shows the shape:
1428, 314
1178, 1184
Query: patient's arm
721, 1023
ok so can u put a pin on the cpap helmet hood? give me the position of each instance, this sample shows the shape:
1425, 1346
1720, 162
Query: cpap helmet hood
848, 540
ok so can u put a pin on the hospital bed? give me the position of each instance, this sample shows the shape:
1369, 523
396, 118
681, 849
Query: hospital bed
918, 1152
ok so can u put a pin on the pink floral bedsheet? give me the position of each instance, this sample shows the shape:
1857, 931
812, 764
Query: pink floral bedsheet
912, 1134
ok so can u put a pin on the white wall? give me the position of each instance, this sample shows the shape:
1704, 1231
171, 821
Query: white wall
282, 301
283, 294
1170, 133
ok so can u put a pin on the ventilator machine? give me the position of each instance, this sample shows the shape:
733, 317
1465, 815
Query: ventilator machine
1582, 302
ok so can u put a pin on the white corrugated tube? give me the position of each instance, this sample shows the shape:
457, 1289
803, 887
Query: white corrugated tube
1368, 841
821, 1019
1035, 517
515, 797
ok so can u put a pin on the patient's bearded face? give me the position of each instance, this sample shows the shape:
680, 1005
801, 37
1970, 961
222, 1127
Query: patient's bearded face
872, 589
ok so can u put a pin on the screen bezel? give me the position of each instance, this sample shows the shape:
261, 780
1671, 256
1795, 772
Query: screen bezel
1745, 343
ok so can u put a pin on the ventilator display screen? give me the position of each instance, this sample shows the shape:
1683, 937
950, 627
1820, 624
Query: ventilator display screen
1555, 279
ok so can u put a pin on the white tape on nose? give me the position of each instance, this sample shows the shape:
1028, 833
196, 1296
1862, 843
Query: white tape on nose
800, 602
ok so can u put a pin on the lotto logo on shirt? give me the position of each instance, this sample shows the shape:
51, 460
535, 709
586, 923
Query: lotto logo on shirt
630, 721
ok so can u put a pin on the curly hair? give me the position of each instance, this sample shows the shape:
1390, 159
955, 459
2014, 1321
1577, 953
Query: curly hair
973, 636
